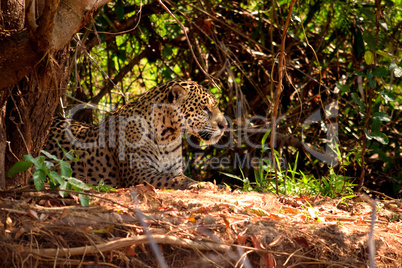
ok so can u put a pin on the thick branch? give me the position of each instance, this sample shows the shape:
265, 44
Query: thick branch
43, 34
129, 241
19, 54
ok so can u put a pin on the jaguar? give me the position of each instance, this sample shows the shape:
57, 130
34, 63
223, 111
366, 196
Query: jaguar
141, 142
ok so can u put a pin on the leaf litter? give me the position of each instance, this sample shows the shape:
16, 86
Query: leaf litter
146, 227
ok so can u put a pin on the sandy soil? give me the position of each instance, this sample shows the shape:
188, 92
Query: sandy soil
143, 227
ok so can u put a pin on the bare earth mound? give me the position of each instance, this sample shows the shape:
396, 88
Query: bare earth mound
159, 228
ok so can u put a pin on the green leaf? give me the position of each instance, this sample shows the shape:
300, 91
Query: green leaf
39, 178
343, 88
380, 137
167, 51
264, 138
84, 200
370, 40
384, 54
49, 155
69, 157
49, 165
359, 102
64, 186
57, 178
376, 125
77, 183
358, 46
30, 158
381, 116
397, 71
372, 82
65, 169
380, 71
369, 57
19, 167
387, 95
368, 136
119, 9
38, 161
231, 176
368, 13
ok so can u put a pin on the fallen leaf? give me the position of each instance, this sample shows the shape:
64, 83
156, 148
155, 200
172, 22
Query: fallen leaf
241, 240
9, 222
256, 242
192, 219
291, 210
273, 216
226, 221
145, 188
111, 255
104, 230
258, 211
247, 206
33, 214
64, 213
267, 259
275, 242
301, 241
20, 232
130, 251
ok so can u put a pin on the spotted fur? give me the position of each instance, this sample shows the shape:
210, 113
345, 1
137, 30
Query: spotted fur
142, 141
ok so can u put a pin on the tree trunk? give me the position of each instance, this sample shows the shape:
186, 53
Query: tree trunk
34, 72
30, 108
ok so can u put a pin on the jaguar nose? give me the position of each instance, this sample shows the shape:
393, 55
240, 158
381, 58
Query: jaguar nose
222, 123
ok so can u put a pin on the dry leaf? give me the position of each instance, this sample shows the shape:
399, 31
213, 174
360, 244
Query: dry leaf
20, 232
145, 188
104, 230
256, 242
291, 210
301, 241
275, 242
191, 219
130, 251
111, 255
258, 211
241, 240
267, 260
33, 214
225, 219
64, 213
9, 222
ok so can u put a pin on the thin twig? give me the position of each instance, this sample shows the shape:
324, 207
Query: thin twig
189, 44
278, 93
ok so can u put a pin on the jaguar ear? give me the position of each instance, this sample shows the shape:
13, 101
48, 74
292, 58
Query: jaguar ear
176, 93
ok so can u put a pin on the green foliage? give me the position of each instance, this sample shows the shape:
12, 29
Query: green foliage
102, 187
45, 172
293, 181
347, 52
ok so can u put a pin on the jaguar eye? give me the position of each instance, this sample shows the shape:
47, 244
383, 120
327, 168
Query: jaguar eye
206, 110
